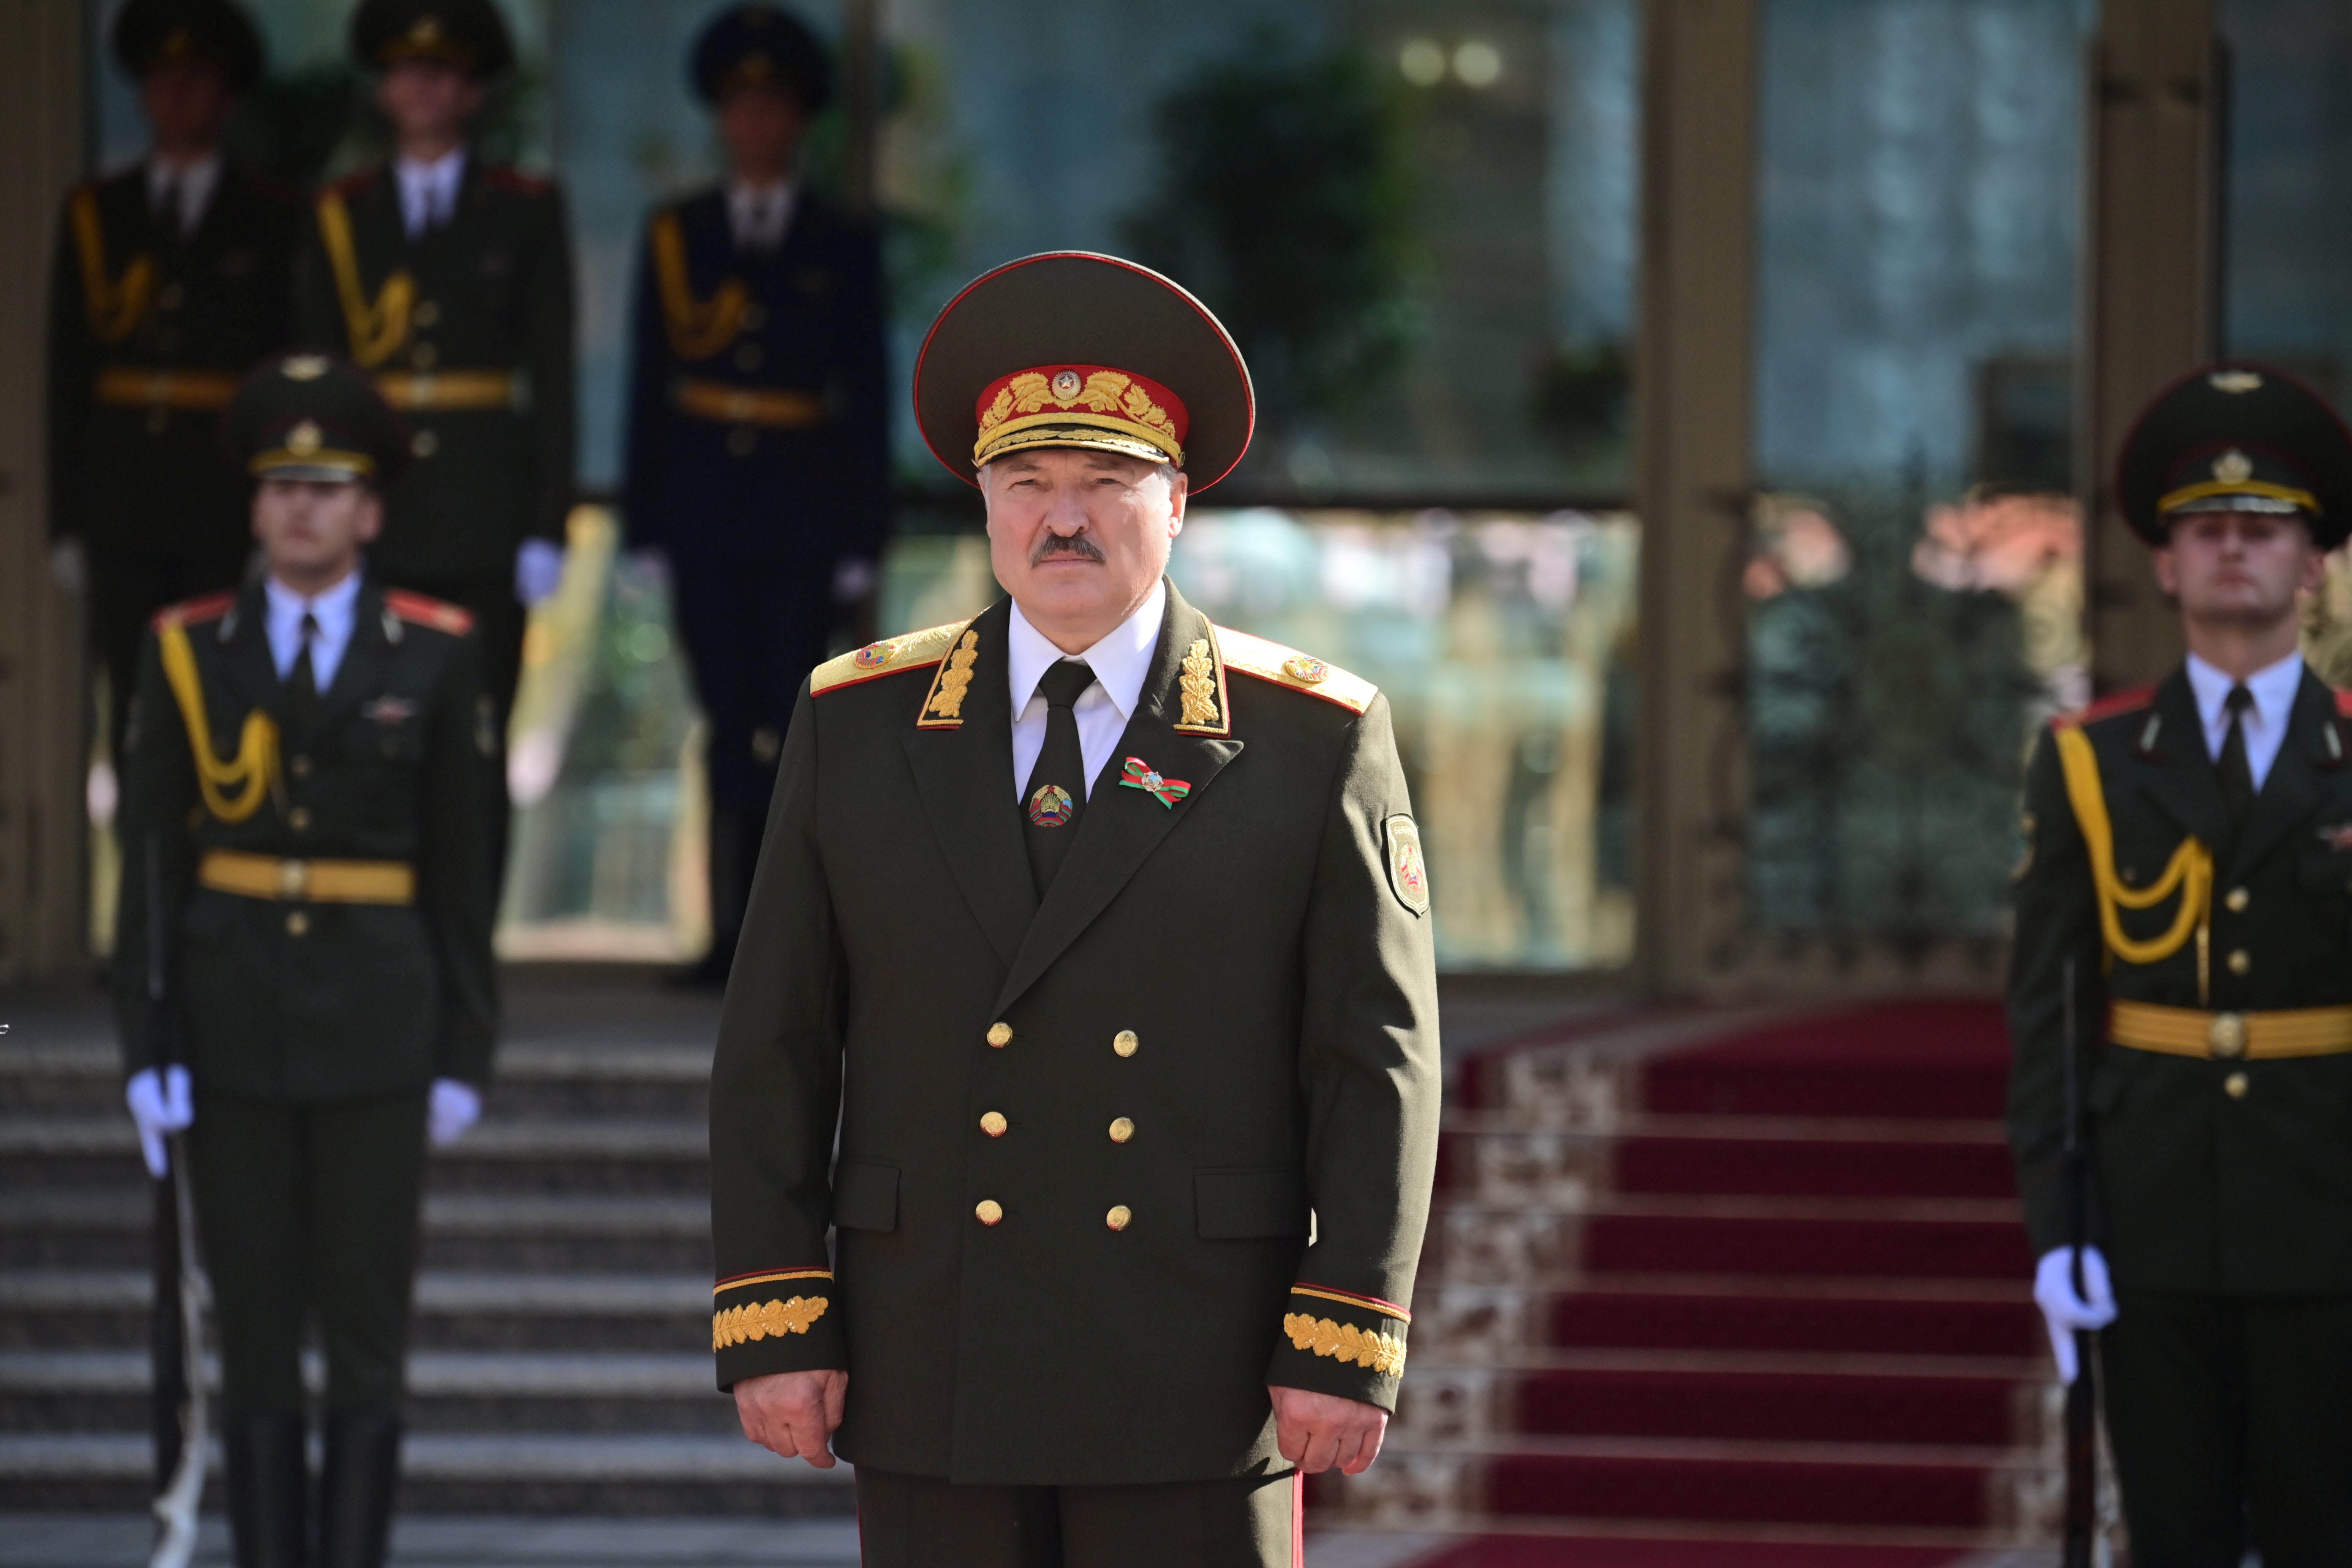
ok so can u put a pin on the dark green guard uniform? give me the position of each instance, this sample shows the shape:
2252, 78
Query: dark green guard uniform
151, 322
1112, 1161
467, 326
305, 925
2213, 956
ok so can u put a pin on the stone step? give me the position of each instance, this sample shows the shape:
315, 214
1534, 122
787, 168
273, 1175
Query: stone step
523, 1472
448, 1391
88, 1227
531, 1078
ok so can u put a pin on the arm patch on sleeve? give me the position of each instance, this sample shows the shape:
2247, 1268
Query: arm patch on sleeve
1408, 872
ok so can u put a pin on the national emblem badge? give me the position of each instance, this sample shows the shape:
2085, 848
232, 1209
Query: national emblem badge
1051, 806
2234, 468
1306, 669
874, 655
1408, 873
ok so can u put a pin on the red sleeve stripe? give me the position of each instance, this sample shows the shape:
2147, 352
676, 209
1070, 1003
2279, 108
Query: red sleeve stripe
772, 1278
1350, 1299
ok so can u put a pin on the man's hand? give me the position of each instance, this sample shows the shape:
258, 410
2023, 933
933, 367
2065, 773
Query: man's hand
794, 1413
1317, 1431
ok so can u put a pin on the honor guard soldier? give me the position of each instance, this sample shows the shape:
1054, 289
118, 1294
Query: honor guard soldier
2189, 861
1101, 933
758, 450
304, 963
169, 283
451, 281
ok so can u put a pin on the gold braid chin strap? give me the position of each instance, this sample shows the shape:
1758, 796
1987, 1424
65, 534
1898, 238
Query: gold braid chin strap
254, 770
2190, 873
697, 328
113, 307
376, 331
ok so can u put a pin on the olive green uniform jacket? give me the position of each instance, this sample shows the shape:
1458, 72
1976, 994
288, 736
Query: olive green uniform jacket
1244, 979
489, 290
2198, 1188
289, 999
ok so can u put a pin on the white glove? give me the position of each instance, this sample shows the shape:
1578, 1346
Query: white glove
538, 569
453, 1107
2065, 1311
161, 1105
853, 579
69, 565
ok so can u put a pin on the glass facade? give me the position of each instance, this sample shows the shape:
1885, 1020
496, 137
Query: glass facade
1913, 574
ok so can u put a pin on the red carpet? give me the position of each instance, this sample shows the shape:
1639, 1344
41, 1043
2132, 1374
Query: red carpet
1687, 1283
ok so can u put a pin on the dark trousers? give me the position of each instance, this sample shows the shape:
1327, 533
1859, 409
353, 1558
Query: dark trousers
2232, 1424
921, 1521
308, 1211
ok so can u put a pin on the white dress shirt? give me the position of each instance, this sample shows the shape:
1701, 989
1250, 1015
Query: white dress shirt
189, 187
758, 214
1119, 662
2273, 688
336, 611
428, 192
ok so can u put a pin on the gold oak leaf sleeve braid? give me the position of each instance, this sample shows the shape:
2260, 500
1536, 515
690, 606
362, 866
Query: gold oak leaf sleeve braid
457, 884
159, 795
1368, 1063
775, 1082
2057, 918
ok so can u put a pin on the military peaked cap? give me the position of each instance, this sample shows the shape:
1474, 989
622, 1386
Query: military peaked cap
467, 34
2237, 437
150, 33
1071, 349
311, 416
762, 44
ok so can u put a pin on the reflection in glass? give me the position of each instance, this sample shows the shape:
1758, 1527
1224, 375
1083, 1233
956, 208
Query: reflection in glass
1913, 571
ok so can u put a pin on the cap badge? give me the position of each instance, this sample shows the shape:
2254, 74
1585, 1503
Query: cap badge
1051, 806
1408, 874
303, 439
180, 43
1067, 384
427, 30
1137, 773
304, 367
2234, 381
2234, 468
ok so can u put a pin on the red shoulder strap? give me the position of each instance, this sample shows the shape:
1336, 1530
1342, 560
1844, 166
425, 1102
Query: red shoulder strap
428, 612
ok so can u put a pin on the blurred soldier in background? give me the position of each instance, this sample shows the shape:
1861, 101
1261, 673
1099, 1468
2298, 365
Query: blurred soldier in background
169, 283
303, 975
452, 282
756, 440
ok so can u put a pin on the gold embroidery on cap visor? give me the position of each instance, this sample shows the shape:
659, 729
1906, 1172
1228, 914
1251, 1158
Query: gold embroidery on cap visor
1107, 411
2279, 498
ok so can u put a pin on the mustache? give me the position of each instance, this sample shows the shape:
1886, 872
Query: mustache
1076, 544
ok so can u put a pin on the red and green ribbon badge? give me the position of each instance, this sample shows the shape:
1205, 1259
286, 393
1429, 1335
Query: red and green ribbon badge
1137, 773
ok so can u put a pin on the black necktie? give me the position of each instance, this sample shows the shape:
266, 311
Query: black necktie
2237, 774
1056, 793
302, 680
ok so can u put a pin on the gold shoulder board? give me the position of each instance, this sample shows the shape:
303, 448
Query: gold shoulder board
915, 650
1299, 671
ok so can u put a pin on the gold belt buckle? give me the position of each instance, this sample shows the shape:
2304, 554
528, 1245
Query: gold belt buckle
2227, 1035
293, 877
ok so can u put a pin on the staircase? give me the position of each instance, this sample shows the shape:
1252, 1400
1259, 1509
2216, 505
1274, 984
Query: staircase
1755, 1283
561, 1355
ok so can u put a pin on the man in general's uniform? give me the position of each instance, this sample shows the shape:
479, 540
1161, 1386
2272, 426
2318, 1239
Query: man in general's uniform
303, 958
2190, 862
451, 281
758, 452
169, 283
1102, 934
